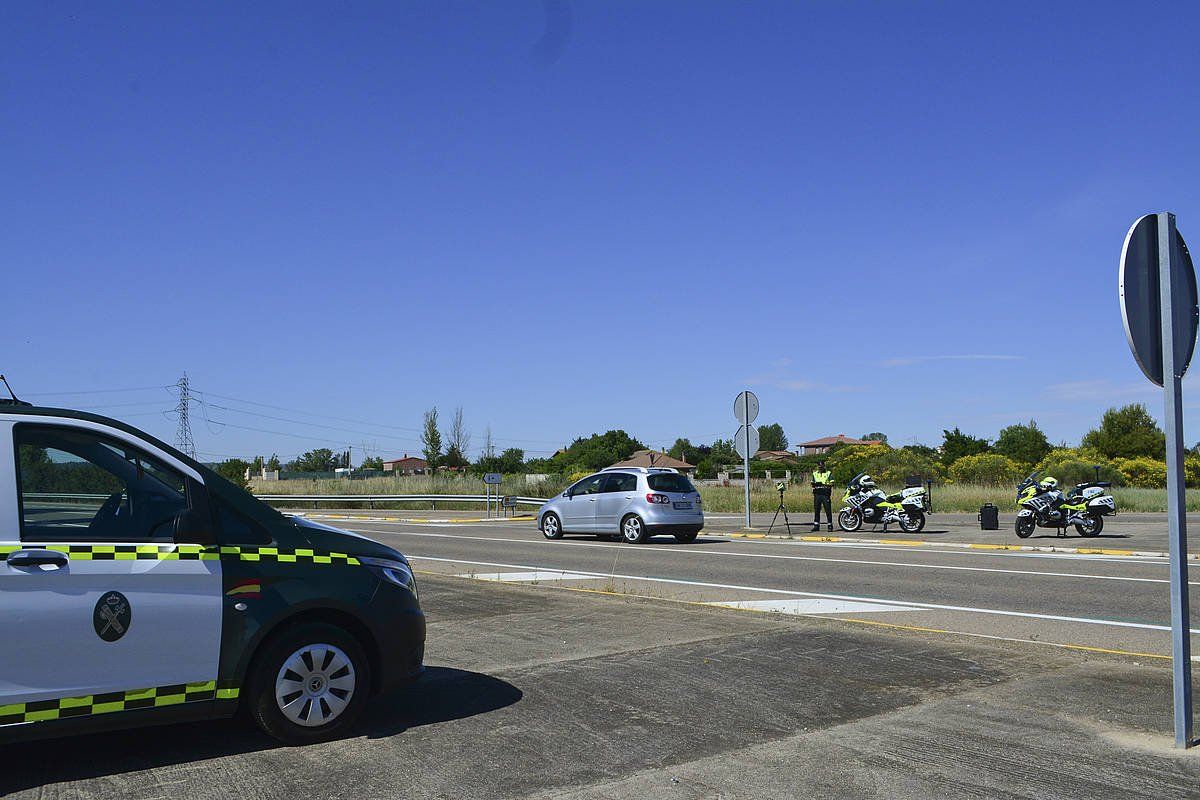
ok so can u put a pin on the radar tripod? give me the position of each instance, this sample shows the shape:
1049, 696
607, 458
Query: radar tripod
780, 487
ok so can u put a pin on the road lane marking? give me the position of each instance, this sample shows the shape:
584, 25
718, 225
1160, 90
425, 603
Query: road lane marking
808, 606
856, 621
529, 577
676, 549
795, 593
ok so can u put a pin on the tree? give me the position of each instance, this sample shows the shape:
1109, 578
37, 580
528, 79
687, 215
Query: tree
273, 463
1024, 444
987, 469
597, 451
454, 458
320, 460
956, 444
431, 439
234, 471
723, 453
459, 438
684, 450
1128, 432
372, 462
512, 460
772, 437
874, 437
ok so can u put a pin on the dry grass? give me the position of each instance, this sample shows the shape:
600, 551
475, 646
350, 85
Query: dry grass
726, 499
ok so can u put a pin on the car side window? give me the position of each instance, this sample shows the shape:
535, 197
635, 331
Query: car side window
587, 485
78, 486
620, 482
236, 529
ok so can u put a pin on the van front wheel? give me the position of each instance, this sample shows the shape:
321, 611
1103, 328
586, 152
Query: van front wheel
310, 684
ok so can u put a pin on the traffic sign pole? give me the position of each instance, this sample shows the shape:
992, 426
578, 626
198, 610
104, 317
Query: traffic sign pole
746, 453
1181, 644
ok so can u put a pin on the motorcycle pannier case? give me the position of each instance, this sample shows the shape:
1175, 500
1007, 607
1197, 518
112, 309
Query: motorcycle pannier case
989, 518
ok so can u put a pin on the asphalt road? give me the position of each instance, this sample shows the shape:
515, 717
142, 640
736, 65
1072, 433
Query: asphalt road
1116, 603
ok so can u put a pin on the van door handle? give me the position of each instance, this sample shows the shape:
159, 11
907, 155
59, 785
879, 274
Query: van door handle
38, 558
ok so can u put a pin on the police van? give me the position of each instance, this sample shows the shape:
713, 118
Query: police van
139, 587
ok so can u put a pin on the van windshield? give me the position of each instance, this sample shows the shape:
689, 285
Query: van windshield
670, 482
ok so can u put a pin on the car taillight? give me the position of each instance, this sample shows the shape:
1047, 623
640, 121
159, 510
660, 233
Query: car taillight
653, 498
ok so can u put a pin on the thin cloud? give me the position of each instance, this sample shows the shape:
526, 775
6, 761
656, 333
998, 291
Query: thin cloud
1100, 390
907, 361
797, 385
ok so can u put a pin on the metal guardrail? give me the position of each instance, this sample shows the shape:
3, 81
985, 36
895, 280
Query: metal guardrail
372, 499
508, 500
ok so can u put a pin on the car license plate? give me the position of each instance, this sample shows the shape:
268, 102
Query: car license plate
684, 504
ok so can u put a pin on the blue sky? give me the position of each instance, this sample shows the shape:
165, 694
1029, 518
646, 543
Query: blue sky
570, 217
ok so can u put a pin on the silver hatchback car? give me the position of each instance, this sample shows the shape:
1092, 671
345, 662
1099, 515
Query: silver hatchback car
632, 503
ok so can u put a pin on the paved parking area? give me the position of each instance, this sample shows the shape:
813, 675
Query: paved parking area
541, 691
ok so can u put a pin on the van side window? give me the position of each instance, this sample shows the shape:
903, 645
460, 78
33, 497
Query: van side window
78, 486
236, 529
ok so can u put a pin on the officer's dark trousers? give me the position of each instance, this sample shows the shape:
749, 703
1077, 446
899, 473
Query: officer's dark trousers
821, 500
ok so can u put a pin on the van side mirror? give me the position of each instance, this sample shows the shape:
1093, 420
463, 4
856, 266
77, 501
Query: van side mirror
193, 526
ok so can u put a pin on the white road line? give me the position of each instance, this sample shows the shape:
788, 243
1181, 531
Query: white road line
677, 550
793, 593
810, 606
529, 577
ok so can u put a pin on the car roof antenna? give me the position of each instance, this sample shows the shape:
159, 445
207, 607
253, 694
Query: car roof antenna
11, 393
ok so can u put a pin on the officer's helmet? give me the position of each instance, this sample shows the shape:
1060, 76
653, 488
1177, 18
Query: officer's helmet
866, 482
1048, 484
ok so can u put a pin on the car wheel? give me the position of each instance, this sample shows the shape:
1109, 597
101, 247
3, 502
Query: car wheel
309, 684
633, 530
552, 526
687, 538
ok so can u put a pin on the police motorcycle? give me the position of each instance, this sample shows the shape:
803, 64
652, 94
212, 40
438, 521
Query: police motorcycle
1042, 504
866, 502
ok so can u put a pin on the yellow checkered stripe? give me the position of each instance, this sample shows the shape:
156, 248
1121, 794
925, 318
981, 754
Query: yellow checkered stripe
93, 704
184, 552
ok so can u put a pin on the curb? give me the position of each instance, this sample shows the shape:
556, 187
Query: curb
416, 520
1089, 551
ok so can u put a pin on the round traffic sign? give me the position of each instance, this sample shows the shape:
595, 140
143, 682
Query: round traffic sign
745, 407
746, 441
1141, 297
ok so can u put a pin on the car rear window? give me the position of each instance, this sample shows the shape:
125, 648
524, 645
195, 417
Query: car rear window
670, 482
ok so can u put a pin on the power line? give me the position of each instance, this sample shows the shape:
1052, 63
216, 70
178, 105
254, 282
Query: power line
95, 391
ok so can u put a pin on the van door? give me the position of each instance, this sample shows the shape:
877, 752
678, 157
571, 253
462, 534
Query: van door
100, 609
579, 510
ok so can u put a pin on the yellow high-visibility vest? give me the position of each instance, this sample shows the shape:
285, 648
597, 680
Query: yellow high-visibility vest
821, 477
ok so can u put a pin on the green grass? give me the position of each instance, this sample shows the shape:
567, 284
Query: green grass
718, 499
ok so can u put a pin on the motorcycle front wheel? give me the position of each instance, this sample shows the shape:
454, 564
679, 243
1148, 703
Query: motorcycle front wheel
849, 520
912, 522
1025, 526
1091, 527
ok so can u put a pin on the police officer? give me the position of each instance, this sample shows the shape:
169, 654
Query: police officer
822, 487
